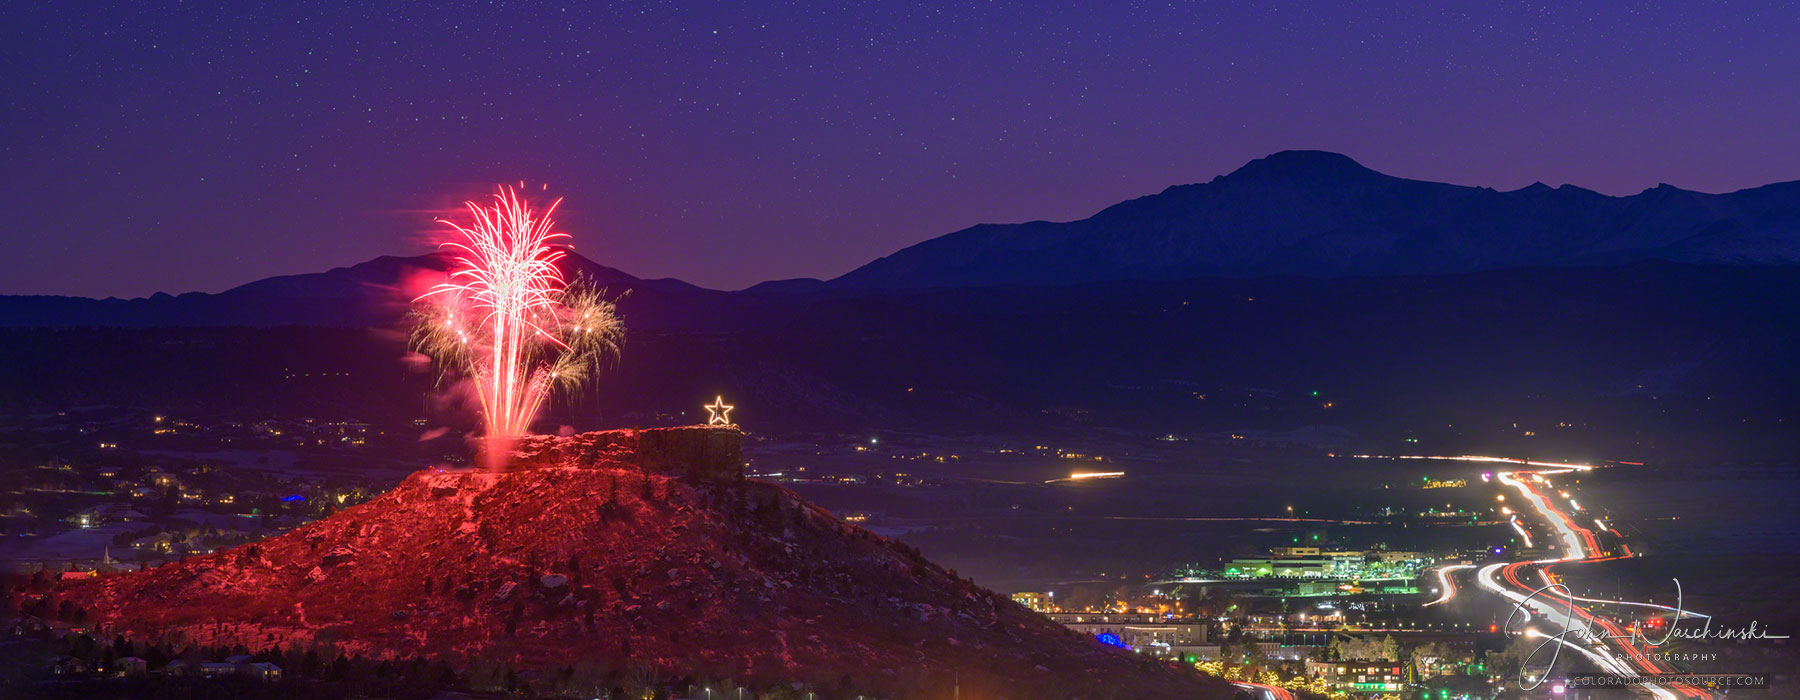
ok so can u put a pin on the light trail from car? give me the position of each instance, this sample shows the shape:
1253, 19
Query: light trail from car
1578, 545
1449, 589
1269, 692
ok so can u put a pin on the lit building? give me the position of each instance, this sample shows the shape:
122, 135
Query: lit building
1401, 557
261, 670
1359, 676
1145, 632
1036, 602
1283, 567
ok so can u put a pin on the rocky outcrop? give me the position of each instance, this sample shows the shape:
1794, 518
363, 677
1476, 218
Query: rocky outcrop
696, 453
640, 549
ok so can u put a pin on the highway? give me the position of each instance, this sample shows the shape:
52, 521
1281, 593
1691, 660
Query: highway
1554, 615
1264, 692
1446, 586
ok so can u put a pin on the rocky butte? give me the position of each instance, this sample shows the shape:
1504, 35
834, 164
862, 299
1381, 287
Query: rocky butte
640, 551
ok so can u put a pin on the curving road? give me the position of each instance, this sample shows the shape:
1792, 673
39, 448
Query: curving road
1570, 621
1264, 692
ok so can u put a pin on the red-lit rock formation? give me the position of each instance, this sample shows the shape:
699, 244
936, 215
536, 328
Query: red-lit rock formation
695, 453
627, 548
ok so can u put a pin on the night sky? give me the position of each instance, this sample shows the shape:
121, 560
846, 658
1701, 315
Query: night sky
157, 147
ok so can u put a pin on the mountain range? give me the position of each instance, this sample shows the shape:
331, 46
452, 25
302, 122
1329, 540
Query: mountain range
1612, 308
1293, 213
1319, 214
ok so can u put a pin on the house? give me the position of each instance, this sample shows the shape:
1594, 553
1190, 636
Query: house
239, 659
67, 666
159, 542
132, 666
212, 669
180, 668
113, 513
262, 671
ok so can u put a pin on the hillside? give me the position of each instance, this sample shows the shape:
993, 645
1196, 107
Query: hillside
1318, 214
1656, 360
639, 549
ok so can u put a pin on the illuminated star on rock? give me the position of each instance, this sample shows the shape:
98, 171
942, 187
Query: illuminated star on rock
721, 413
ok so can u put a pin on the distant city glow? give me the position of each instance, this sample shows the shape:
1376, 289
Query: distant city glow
1479, 458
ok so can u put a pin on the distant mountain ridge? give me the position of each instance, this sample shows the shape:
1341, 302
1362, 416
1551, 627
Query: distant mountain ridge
1320, 214
1294, 213
371, 293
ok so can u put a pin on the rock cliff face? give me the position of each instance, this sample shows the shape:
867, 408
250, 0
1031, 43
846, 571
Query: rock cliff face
696, 453
631, 550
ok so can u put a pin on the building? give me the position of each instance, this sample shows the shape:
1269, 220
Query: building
262, 671
1359, 676
215, 669
1347, 557
1402, 557
132, 666
1273, 651
1036, 602
1280, 567
1276, 651
1145, 632
1068, 618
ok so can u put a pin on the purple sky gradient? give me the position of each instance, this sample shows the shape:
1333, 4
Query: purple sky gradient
177, 150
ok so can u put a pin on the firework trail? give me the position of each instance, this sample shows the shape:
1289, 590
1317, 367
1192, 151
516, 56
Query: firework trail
508, 320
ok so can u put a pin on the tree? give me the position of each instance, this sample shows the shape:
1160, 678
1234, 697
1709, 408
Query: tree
1359, 649
1390, 649
1426, 655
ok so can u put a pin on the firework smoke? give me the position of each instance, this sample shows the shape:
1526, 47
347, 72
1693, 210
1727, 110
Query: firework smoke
508, 320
